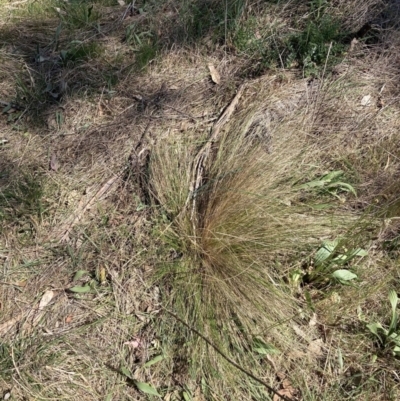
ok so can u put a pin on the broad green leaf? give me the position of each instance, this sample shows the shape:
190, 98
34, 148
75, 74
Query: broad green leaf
332, 175
81, 289
312, 184
126, 372
109, 397
186, 396
331, 245
394, 338
393, 299
266, 351
321, 255
344, 275
325, 252
396, 351
393, 302
79, 274
146, 388
358, 252
373, 328
154, 360
343, 186
263, 348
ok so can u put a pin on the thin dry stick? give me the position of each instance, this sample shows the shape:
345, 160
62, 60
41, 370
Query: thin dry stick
130, 8
200, 163
233, 363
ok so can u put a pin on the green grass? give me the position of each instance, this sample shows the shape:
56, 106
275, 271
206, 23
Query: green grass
317, 41
79, 52
199, 19
78, 14
315, 44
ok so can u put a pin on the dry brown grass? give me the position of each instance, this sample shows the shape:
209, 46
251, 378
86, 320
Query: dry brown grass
248, 233
78, 347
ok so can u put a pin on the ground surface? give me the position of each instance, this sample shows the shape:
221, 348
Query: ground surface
106, 116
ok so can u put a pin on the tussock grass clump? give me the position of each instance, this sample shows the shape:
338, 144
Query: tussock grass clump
235, 247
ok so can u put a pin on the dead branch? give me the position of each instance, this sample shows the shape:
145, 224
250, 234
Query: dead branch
201, 162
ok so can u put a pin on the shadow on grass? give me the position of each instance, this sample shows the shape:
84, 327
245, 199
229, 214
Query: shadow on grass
89, 51
81, 49
21, 195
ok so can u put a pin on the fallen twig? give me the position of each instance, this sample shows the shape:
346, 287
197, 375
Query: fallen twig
201, 161
130, 8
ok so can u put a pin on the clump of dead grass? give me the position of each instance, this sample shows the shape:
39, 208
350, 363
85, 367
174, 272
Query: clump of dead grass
233, 250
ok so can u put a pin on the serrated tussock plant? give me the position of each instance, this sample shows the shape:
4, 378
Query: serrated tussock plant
236, 245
